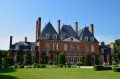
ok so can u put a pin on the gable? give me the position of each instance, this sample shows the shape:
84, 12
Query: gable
73, 39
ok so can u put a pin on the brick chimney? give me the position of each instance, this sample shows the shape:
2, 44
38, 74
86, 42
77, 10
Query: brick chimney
10, 41
25, 39
38, 28
58, 26
92, 29
112, 45
76, 27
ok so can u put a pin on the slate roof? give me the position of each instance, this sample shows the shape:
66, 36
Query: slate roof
106, 49
24, 45
67, 31
82, 33
49, 29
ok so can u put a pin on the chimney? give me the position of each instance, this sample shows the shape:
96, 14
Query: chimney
10, 41
102, 43
112, 45
58, 26
38, 28
76, 27
25, 39
92, 29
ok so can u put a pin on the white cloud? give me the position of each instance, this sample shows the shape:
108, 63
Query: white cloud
106, 38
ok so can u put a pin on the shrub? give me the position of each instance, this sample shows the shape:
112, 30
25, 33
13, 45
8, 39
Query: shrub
99, 68
116, 69
79, 64
21, 66
38, 66
0, 61
61, 65
68, 63
114, 63
61, 58
7, 61
87, 60
43, 66
34, 65
68, 66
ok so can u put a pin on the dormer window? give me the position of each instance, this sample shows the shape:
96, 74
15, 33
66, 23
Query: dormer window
92, 39
32, 48
86, 38
47, 36
55, 36
17, 47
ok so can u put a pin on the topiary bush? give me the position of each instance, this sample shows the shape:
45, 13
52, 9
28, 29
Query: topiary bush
21, 66
87, 59
61, 59
7, 62
79, 64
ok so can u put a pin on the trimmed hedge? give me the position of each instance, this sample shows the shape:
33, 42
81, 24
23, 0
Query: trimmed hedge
79, 64
7, 61
100, 68
61, 58
116, 69
43, 66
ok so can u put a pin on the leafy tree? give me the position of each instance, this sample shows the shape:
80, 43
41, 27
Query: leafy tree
43, 58
117, 42
87, 59
61, 58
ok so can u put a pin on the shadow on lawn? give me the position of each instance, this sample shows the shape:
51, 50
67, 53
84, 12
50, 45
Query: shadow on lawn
7, 77
7, 70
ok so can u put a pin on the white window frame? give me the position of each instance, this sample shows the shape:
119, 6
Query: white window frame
55, 46
92, 39
17, 47
77, 47
71, 47
55, 36
92, 49
32, 48
86, 48
47, 36
65, 47
86, 38
47, 46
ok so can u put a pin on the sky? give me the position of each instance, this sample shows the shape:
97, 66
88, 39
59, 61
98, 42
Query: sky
18, 17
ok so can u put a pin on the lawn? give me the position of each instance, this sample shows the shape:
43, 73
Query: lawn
58, 73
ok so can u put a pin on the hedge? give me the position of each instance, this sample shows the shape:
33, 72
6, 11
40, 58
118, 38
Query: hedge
79, 64
100, 68
61, 59
7, 61
116, 69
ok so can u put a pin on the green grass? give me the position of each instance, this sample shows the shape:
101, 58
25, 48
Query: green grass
59, 73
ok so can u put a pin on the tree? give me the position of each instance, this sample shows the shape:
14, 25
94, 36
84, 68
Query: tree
117, 42
43, 58
87, 59
61, 58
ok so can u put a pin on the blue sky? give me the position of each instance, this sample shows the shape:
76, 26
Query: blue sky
18, 17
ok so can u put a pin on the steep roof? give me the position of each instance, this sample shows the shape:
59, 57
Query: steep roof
48, 29
84, 32
67, 31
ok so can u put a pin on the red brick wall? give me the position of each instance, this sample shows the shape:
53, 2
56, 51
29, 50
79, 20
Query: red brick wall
61, 46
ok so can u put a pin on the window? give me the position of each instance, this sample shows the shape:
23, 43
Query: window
47, 46
17, 47
112, 51
77, 47
86, 49
86, 38
32, 48
92, 39
55, 36
102, 50
92, 48
65, 47
55, 46
47, 36
72, 47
